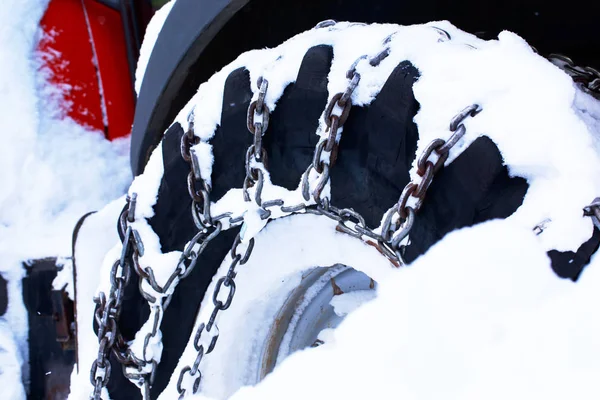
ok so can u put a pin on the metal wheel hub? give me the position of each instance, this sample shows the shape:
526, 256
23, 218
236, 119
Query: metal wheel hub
317, 305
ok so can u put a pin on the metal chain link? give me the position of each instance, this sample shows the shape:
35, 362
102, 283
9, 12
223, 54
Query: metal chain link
398, 221
108, 309
159, 296
335, 115
206, 335
349, 221
587, 78
257, 122
256, 158
141, 369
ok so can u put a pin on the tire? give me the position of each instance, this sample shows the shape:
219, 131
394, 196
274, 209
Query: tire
370, 173
372, 170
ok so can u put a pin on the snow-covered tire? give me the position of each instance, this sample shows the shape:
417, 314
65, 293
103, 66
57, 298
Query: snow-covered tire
376, 159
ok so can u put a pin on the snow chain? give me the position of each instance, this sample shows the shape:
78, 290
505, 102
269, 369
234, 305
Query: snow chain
587, 78
395, 228
108, 309
207, 334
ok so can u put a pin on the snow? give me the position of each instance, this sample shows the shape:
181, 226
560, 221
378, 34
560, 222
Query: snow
203, 152
493, 76
97, 236
64, 279
283, 251
152, 31
481, 315
452, 326
17, 98
96, 65
10, 364
346, 303
53, 170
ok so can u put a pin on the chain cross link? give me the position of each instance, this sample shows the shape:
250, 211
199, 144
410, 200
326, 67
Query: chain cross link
398, 221
335, 115
257, 122
255, 162
108, 309
586, 78
207, 334
159, 297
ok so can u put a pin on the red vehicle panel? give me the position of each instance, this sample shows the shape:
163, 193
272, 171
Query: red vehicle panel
84, 48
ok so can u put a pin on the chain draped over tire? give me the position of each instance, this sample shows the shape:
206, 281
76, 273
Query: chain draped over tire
108, 309
390, 239
159, 296
207, 334
587, 78
140, 370
399, 219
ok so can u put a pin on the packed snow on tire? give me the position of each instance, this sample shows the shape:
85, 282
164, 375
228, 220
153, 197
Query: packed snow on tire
481, 315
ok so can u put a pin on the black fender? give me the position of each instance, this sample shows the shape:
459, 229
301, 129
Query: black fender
170, 79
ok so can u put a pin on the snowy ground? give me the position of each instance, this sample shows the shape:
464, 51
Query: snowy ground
481, 315
51, 172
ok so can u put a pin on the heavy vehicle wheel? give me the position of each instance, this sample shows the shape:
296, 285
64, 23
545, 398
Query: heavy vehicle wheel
199, 38
371, 173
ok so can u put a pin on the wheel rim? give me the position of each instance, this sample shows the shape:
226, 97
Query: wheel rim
308, 312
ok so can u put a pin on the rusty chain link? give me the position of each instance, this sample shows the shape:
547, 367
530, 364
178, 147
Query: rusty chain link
255, 161
257, 122
398, 221
335, 115
587, 78
206, 335
140, 369
159, 296
324, 157
108, 309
